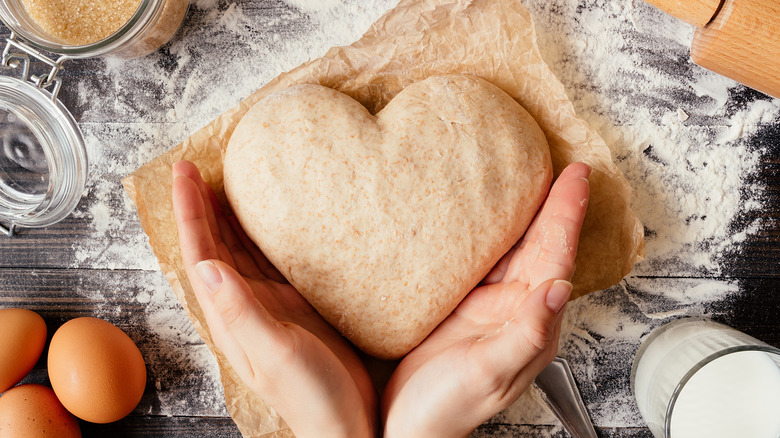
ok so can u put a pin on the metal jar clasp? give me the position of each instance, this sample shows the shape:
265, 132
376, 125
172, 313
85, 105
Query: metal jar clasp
8, 231
17, 52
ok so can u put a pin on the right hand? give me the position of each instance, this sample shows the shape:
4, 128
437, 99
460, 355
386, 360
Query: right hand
501, 336
276, 342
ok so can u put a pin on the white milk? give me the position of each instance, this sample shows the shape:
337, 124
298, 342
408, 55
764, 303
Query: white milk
737, 395
732, 382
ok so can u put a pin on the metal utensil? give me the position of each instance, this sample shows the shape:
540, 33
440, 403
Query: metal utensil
560, 391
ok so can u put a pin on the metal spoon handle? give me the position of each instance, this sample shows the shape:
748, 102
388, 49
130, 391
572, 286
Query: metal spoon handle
560, 391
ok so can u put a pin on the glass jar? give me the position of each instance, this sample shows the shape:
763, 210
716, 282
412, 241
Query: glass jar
43, 159
696, 377
151, 26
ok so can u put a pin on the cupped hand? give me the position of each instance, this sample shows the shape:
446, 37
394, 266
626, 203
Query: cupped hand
277, 343
502, 335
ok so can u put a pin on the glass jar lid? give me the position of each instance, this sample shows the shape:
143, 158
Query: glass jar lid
43, 159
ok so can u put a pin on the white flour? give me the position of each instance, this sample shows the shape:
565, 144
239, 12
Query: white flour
314, 5
683, 145
176, 358
621, 63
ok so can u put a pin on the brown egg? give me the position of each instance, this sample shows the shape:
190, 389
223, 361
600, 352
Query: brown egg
32, 411
96, 370
22, 338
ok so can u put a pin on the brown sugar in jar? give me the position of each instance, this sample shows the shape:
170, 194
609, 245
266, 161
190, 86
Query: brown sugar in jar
80, 22
88, 28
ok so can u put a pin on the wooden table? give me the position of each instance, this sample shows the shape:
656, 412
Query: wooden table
97, 262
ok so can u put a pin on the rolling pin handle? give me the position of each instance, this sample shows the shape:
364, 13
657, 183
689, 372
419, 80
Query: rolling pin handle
695, 12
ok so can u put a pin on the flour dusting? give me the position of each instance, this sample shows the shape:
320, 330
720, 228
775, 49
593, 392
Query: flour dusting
314, 5
625, 66
176, 358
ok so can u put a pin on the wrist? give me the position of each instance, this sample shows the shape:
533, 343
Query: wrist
449, 429
358, 427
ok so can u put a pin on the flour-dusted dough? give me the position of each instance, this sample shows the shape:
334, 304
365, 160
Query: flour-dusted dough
385, 223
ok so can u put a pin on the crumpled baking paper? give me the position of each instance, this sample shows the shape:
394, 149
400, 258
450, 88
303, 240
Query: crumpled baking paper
492, 39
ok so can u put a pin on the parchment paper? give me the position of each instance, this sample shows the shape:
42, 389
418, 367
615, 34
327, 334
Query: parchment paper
492, 39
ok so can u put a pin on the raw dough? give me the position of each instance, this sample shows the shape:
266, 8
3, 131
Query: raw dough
385, 223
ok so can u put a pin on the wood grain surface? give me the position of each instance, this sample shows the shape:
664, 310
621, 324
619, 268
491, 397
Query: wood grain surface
97, 262
743, 43
695, 12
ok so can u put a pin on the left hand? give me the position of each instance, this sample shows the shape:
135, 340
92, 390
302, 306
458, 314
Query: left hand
275, 341
502, 335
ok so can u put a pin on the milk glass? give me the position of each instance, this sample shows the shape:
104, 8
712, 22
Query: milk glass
697, 378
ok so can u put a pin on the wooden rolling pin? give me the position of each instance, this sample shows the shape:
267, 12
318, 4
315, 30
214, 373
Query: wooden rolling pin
736, 38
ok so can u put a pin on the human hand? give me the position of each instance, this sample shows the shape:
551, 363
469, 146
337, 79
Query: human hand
276, 342
501, 336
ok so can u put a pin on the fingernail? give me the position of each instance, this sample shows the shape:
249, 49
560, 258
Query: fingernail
175, 169
558, 295
209, 274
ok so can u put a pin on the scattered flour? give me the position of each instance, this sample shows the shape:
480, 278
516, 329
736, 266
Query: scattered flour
684, 147
683, 144
115, 239
314, 5
176, 358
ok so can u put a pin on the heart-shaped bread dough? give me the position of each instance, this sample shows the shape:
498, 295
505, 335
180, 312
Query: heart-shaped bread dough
384, 224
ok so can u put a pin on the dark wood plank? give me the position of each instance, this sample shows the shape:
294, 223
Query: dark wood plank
497, 430
154, 426
170, 427
182, 377
759, 255
756, 311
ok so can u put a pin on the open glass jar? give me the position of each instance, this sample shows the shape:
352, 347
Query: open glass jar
43, 159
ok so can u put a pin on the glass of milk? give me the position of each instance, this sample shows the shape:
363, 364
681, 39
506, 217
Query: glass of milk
696, 378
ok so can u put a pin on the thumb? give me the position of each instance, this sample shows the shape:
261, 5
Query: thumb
240, 326
513, 356
530, 339
540, 316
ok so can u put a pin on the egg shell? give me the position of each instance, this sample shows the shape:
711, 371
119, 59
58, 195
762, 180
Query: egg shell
22, 338
32, 411
96, 370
